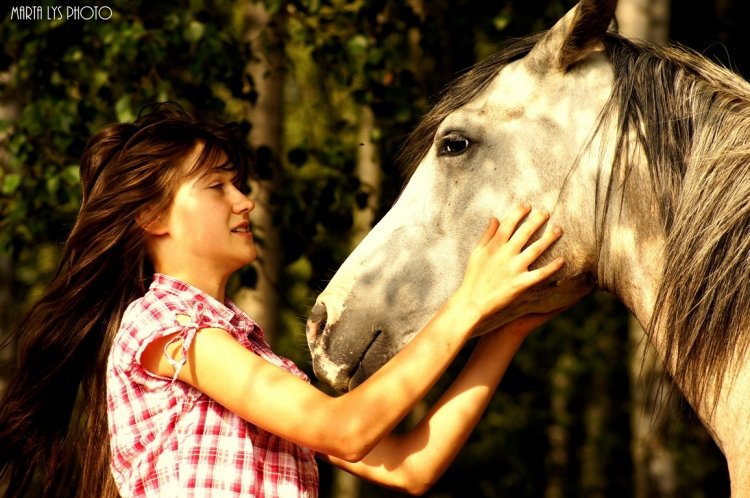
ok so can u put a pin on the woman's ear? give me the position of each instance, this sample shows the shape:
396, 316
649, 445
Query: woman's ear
151, 222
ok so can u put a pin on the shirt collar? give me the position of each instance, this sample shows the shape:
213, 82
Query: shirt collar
170, 285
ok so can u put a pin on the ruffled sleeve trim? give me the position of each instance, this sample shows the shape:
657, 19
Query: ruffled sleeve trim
188, 326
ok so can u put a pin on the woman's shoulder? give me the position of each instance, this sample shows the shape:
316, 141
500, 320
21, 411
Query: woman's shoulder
151, 316
170, 306
155, 307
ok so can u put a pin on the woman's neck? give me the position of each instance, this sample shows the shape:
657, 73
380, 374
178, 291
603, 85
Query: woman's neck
213, 286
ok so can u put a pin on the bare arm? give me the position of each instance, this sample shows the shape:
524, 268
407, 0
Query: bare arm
350, 426
414, 461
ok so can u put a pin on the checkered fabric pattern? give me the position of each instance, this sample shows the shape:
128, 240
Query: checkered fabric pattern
171, 440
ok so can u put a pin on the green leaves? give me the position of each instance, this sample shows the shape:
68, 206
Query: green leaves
69, 78
11, 182
194, 31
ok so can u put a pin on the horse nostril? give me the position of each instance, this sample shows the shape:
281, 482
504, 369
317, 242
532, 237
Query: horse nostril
316, 321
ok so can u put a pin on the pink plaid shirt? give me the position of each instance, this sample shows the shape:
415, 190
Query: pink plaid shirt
171, 440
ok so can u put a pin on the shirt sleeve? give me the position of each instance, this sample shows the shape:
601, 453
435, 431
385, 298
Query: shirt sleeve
187, 327
180, 324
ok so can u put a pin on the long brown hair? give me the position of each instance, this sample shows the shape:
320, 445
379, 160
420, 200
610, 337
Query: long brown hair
64, 339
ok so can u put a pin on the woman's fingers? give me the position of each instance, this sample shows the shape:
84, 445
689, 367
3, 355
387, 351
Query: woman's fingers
514, 228
509, 224
489, 232
528, 228
498, 268
536, 248
537, 275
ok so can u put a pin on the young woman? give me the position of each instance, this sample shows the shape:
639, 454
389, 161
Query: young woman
136, 327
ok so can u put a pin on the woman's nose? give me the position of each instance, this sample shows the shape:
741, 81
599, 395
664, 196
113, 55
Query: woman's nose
243, 203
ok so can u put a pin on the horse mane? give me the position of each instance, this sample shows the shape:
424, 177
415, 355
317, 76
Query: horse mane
691, 118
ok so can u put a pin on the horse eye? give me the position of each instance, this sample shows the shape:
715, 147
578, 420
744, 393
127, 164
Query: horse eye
453, 145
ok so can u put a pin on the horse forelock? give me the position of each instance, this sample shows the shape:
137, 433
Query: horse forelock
692, 118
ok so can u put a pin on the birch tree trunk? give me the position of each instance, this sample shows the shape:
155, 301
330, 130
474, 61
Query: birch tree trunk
644, 19
558, 435
369, 172
8, 111
267, 71
653, 465
597, 412
370, 176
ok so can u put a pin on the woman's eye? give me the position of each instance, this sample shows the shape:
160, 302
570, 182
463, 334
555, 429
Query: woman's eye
453, 145
217, 186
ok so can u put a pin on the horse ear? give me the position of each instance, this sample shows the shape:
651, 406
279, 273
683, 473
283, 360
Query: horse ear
575, 36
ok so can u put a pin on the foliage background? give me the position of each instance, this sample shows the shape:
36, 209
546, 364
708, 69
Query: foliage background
562, 422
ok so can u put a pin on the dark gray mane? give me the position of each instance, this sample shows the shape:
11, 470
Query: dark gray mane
692, 120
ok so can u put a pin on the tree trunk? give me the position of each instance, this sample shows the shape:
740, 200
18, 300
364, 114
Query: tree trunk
370, 176
644, 19
267, 71
558, 433
8, 304
596, 412
369, 172
8, 111
653, 464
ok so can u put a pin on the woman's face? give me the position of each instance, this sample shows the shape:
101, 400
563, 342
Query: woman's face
208, 223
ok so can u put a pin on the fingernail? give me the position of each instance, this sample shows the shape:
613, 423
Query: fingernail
557, 230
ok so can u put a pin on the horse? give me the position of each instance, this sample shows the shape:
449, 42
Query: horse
640, 152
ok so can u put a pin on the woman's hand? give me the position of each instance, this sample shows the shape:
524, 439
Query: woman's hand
497, 271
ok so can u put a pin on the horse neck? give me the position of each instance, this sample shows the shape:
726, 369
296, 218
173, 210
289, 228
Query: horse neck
630, 265
630, 239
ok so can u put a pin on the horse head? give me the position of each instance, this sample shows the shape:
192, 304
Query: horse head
639, 152
512, 130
